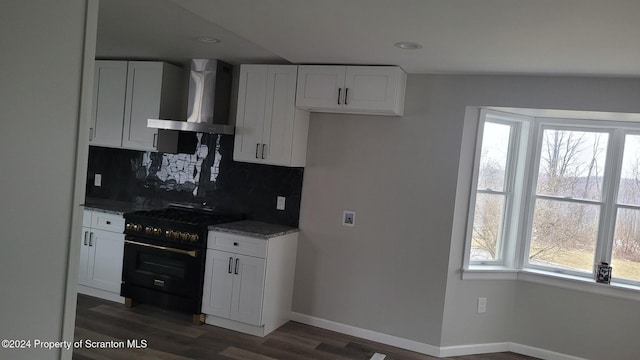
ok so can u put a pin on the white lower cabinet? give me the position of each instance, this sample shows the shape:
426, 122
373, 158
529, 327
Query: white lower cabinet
251, 294
237, 284
101, 254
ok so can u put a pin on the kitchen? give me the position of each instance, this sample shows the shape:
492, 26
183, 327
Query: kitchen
403, 256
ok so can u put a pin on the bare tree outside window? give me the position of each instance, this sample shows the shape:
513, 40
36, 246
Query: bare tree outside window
626, 241
492, 193
565, 224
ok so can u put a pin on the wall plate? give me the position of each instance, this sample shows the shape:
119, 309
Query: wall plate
349, 218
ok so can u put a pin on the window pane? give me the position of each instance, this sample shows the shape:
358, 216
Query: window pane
629, 192
564, 234
487, 227
572, 163
493, 156
626, 245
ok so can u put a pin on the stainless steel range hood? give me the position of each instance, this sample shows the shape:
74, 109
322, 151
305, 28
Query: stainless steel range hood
209, 100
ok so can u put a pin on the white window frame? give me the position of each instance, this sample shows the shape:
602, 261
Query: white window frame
512, 189
519, 210
604, 202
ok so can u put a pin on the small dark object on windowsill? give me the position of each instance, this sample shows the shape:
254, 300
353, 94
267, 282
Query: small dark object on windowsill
603, 273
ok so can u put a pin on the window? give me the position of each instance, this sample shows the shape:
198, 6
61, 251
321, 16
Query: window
556, 195
493, 193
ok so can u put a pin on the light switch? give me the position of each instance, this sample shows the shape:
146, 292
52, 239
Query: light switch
280, 202
97, 180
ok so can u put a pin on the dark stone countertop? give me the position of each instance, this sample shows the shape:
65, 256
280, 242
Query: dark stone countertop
254, 229
121, 207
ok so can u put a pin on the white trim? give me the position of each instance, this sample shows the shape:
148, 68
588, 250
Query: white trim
102, 294
540, 353
562, 280
80, 174
440, 352
565, 281
462, 350
235, 325
449, 351
488, 273
366, 334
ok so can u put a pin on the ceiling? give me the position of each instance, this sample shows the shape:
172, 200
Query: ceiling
575, 37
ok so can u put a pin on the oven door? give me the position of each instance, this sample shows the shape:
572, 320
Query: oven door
172, 270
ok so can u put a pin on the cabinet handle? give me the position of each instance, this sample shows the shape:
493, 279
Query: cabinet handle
257, 150
91, 238
346, 95
230, 264
339, 93
263, 146
85, 237
90, 134
237, 261
155, 140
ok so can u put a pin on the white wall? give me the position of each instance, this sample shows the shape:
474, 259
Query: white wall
41, 65
393, 272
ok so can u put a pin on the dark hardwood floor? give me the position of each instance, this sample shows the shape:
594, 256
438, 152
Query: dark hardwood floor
172, 336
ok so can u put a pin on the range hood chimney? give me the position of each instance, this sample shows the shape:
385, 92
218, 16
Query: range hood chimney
209, 100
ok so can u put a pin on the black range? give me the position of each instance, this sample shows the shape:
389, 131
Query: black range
164, 257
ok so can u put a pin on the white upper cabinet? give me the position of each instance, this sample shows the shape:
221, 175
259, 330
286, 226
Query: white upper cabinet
126, 94
374, 90
109, 88
269, 128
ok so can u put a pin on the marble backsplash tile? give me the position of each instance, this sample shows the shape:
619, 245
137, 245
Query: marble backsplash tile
209, 175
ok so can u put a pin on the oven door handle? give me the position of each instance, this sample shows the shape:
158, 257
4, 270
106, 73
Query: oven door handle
192, 253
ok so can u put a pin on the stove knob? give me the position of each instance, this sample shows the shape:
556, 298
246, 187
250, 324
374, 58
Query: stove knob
157, 231
168, 234
193, 237
128, 227
138, 227
184, 236
148, 230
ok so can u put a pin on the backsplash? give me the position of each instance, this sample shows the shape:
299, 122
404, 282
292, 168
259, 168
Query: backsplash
209, 175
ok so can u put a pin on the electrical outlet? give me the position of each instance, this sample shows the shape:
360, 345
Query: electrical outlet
482, 305
280, 202
349, 218
97, 180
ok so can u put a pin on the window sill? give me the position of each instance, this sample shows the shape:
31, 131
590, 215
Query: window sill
489, 273
615, 289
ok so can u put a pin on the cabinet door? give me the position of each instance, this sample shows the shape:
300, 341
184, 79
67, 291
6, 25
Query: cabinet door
278, 132
252, 97
320, 87
84, 256
248, 289
144, 89
109, 87
106, 251
218, 283
373, 88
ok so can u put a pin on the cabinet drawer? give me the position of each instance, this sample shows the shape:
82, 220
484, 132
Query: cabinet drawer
108, 222
237, 244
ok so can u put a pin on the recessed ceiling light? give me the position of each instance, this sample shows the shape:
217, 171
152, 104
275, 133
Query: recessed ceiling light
407, 45
207, 40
